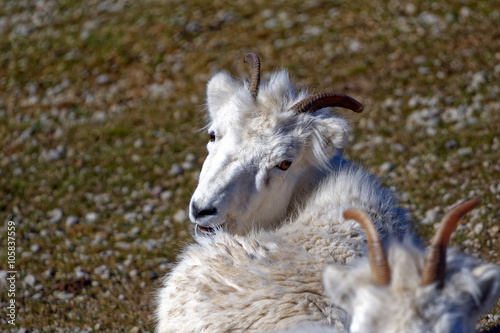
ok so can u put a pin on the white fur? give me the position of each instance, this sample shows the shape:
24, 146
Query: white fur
270, 280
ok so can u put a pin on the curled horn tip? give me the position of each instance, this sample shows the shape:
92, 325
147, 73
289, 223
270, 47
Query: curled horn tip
435, 264
250, 58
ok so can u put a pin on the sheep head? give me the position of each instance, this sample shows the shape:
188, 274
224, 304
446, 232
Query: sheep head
267, 143
440, 293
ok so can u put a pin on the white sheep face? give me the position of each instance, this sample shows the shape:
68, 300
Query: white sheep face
260, 154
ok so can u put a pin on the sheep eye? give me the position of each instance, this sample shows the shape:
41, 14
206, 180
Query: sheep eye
212, 136
284, 165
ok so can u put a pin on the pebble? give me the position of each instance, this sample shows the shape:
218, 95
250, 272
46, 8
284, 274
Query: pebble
166, 195
35, 248
71, 220
175, 170
62, 295
55, 215
30, 280
450, 144
139, 143
191, 158
180, 216
91, 217
130, 216
187, 166
478, 228
467, 151
148, 209
134, 231
150, 244
134, 273
398, 147
49, 273
80, 273
102, 79
123, 245
494, 230
156, 191
431, 216
386, 167
3, 277
102, 271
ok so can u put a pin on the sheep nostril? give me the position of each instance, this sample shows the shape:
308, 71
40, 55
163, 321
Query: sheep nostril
198, 212
207, 212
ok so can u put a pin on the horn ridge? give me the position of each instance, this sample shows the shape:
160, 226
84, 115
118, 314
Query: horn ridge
325, 99
378, 260
254, 61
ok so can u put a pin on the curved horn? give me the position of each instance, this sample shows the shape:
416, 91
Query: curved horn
435, 264
322, 100
378, 260
254, 61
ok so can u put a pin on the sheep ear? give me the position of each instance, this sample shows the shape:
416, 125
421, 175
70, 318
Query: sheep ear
337, 282
332, 130
487, 278
220, 88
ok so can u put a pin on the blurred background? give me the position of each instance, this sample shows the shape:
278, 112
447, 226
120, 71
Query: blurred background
101, 116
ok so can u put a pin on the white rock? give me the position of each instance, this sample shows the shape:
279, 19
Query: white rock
467, 151
91, 217
138, 143
180, 216
134, 231
191, 158
102, 79
62, 295
410, 9
148, 209
134, 273
130, 216
166, 195
55, 215
123, 245
102, 271
386, 167
478, 228
71, 221
431, 216
175, 170
35, 248
3, 277
30, 280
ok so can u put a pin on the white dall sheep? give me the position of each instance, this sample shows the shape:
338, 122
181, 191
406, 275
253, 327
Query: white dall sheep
407, 292
271, 280
271, 148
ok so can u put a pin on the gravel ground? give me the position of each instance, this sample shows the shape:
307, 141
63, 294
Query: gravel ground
101, 106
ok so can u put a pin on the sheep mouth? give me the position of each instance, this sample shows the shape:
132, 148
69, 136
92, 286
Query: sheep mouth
204, 231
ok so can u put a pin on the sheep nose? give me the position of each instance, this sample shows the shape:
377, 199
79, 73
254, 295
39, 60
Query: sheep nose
201, 212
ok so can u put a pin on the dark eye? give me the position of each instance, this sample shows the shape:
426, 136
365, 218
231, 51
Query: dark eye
212, 136
284, 165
